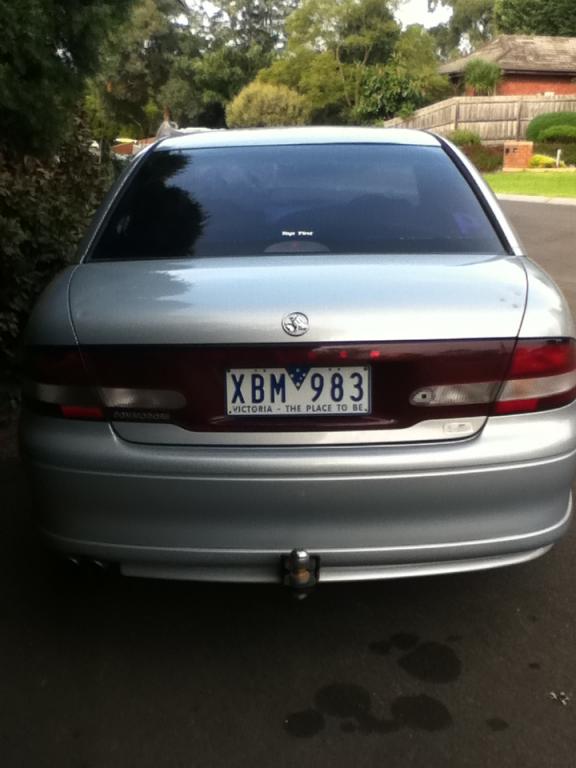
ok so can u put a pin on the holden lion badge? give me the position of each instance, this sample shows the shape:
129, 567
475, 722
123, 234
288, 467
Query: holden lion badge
295, 324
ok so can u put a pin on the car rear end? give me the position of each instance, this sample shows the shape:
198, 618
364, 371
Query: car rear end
316, 341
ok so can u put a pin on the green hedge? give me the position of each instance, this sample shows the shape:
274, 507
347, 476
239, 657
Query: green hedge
547, 120
550, 149
564, 133
485, 158
44, 209
462, 137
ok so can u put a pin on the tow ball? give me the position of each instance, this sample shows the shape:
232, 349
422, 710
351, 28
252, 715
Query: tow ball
301, 572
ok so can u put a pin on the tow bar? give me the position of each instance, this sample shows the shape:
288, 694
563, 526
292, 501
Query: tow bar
301, 572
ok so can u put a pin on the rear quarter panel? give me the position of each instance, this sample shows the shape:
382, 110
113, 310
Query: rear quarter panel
547, 312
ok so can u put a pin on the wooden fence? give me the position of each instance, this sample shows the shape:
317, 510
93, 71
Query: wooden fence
494, 118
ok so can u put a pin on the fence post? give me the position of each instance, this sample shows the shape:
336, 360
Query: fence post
456, 113
518, 118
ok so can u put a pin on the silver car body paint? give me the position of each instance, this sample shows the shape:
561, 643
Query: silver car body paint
238, 300
167, 502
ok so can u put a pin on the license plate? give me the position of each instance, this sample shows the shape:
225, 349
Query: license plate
298, 390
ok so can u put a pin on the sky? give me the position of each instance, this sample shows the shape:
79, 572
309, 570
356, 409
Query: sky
409, 12
416, 12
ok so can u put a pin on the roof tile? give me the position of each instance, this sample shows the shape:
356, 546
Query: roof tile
523, 53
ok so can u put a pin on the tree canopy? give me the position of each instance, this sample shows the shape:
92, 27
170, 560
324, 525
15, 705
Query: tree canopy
248, 23
470, 25
130, 59
475, 22
189, 58
47, 50
352, 62
137, 61
536, 17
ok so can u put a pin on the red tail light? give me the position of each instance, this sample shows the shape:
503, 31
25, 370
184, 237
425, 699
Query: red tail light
542, 376
56, 382
93, 413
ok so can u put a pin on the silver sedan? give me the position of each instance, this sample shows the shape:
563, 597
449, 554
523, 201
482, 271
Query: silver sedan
301, 355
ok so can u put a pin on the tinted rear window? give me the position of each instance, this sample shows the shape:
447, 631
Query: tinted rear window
347, 198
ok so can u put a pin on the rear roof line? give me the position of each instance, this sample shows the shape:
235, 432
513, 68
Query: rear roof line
259, 137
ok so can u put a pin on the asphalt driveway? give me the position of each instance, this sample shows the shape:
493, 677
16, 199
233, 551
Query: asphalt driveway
470, 670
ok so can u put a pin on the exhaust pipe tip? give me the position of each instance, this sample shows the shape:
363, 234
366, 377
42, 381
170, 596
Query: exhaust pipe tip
89, 566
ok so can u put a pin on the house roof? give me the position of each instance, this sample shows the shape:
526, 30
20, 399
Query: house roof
523, 53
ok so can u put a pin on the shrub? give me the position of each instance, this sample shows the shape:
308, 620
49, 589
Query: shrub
563, 133
542, 161
262, 104
486, 159
483, 76
462, 137
386, 92
44, 209
542, 122
568, 151
406, 112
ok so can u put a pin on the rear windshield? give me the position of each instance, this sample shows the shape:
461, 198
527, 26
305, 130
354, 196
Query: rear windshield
338, 198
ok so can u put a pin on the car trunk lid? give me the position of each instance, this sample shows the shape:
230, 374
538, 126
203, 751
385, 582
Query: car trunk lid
178, 327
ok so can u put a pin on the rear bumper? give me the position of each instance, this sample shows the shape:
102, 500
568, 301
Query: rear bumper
239, 566
366, 511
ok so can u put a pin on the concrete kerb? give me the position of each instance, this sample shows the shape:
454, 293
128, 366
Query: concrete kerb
538, 199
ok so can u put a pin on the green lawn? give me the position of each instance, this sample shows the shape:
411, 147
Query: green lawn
548, 184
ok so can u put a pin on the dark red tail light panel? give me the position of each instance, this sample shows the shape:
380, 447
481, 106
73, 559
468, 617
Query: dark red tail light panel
56, 383
397, 370
189, 381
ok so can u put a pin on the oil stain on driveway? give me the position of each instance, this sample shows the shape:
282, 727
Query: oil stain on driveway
352, 704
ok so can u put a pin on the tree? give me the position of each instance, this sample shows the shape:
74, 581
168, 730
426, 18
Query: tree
248, 23
331, 45
136, 63
190, 59
260, 104
317, 77
386, 92
356, 33
410, 79
536, 17
475, 22
482, 76
47, 50
471, 25
200, 87
416, 55
356, 65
